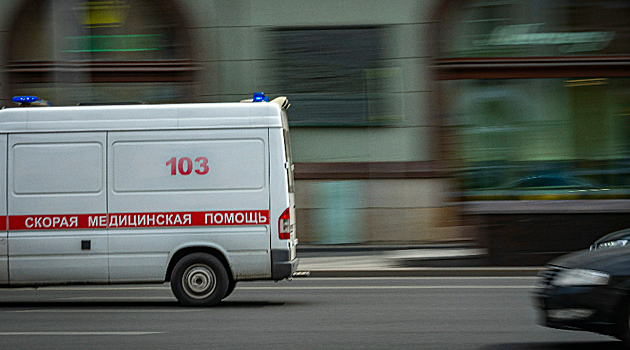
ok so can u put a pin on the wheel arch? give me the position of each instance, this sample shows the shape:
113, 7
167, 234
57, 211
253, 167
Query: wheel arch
183, 251
623, 286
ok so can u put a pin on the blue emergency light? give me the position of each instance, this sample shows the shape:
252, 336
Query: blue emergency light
29, 101
260, 97
24, 99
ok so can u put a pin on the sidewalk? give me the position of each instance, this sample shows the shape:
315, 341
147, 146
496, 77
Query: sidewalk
446, 260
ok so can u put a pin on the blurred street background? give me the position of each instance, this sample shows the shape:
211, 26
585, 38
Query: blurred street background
500, 127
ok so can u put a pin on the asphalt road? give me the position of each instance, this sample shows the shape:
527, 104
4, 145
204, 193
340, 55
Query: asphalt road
307, 313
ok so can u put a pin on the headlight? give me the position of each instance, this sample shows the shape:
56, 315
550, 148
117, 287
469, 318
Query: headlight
580, 277
611, 244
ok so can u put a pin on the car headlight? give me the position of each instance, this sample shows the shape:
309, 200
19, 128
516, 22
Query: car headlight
580, 277
611, 244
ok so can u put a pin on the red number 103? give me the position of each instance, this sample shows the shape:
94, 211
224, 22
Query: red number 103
185, 165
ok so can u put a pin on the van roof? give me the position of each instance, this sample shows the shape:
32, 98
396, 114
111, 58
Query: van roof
141, 117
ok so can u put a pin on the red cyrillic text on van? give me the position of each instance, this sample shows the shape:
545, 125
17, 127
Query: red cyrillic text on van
130, 220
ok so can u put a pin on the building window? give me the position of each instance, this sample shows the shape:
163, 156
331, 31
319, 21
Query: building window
519, 28
537, 98
334, 76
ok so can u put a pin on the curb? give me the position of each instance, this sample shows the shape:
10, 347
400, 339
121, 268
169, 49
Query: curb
345, 248
426, 272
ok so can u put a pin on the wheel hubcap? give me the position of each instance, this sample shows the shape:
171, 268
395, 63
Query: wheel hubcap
199, 281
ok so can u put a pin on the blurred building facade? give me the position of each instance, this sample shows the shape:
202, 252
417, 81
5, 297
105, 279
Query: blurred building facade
412, 121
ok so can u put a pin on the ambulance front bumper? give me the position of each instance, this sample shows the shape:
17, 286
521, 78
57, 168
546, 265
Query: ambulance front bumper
282, 266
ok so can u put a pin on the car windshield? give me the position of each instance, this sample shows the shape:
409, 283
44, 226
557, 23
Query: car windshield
622, 234
614, 239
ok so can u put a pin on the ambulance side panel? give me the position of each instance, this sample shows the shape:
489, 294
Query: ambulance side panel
4, 252
56, 185
172, 190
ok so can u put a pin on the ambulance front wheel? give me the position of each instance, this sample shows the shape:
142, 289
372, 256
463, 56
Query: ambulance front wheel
199, 279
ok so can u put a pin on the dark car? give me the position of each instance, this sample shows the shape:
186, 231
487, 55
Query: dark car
588, 290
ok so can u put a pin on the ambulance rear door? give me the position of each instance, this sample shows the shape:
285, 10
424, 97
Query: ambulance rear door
57, 208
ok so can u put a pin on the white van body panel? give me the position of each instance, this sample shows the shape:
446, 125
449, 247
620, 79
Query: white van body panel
234, 178
149, 264
142, 117
115, 194
237, 163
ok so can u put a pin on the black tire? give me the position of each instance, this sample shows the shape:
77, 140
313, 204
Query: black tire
230, 288
199, 279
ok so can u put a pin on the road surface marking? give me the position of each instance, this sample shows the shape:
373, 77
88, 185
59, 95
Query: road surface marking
385, 287
52, 311
97, 298
88, 288
465, 278
75, 333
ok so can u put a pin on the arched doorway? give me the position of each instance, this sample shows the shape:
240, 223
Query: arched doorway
75, 51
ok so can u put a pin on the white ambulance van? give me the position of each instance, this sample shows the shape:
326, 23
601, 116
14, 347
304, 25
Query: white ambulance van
200, 195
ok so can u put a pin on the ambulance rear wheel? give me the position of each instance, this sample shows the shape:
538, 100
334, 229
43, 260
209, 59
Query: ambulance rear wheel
230, 288
199, 279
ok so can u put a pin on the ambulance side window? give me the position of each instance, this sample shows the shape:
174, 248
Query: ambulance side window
55, 168
188, 165
57, 173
